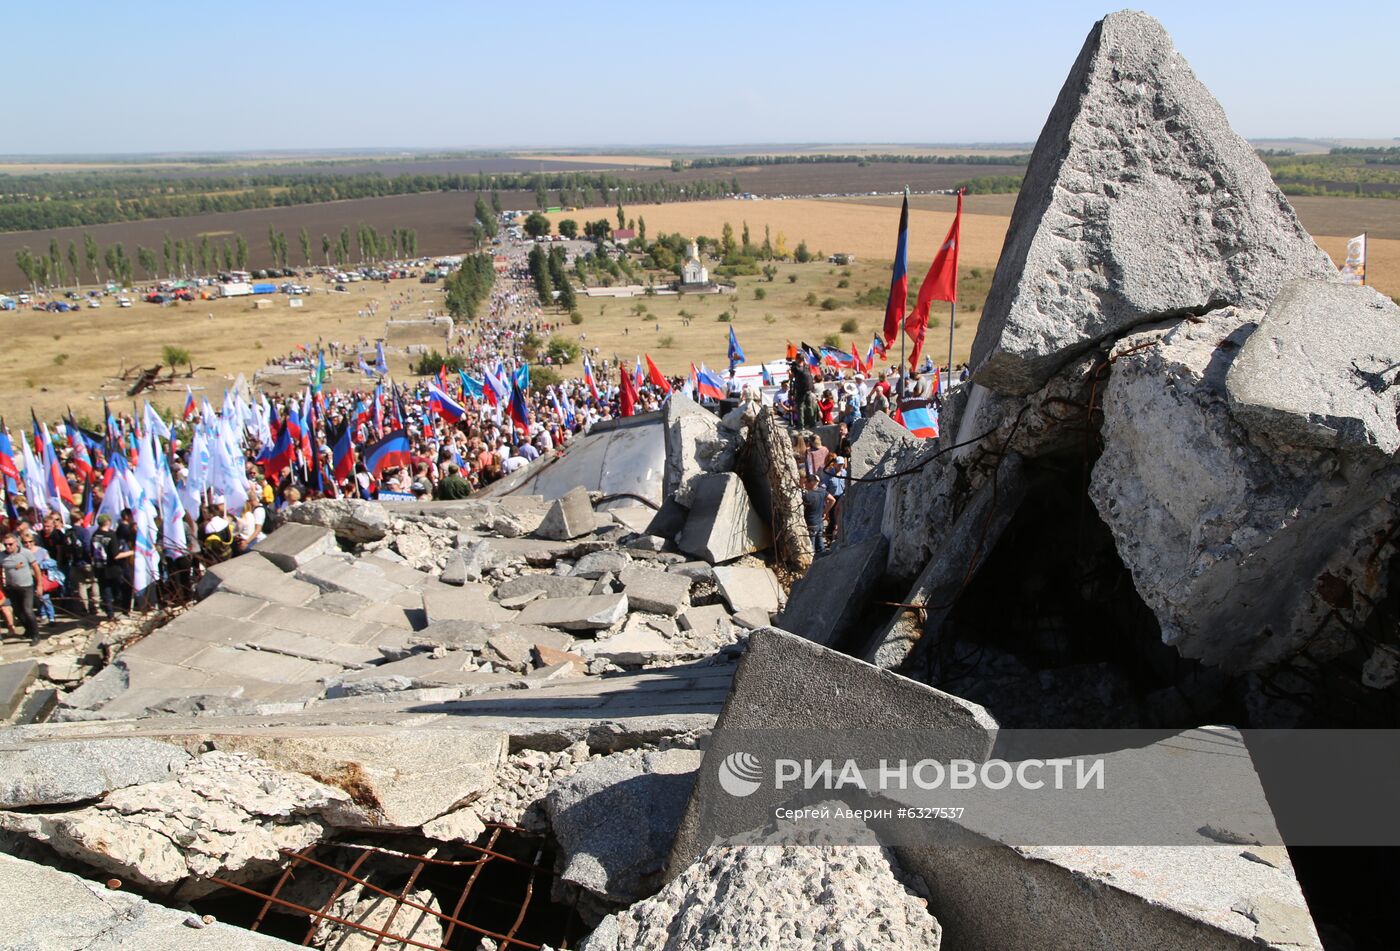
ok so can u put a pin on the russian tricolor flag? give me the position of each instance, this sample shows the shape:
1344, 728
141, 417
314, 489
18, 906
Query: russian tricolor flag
708, 385
445, 406
588, 377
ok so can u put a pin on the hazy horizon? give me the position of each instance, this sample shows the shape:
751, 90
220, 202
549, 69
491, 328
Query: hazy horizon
168, 77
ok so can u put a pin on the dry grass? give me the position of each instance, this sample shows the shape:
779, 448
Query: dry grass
95, 344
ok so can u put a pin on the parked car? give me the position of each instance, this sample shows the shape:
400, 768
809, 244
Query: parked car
123, 301
94, 303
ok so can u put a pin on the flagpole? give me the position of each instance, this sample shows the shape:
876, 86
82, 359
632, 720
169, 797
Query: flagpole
903, 370
952, 321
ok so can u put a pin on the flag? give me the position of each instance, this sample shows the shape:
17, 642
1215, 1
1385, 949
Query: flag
318, 375
518, 410
941, 283
522, 377
899, 276
155, 424
933, 388
656, 377
811, 356
448, 409
879, 346
471, 387
364, 367
281, 454
707, 384
767, 377
343, 455
839, 357
389, 451
791, 351
381, 365
919, 417
558, 406
8, 468
497, 388
861, 366
588, 377
189, 404
627, 394
736, 352
639, 376
314, 475
1354, 268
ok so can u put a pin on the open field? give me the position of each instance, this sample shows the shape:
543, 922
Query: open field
614, 326
54, 361
831, 226
442, 220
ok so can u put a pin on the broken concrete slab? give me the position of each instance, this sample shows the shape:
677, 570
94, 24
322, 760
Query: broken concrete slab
51, 774
1113, 230
467, 603
294, 544
785, 683
636, 645
570, 516
793, 889
722, 524
508, 650
253, 576
745, 587
545, 656
42, 907
400, 778
595, 564
965, 546
239, 810
708, 619
827, 602
591, 612
340, 603
15, 679
236, 606
355, 520
420, 923
551, 586
877, 442
655, 591
616, 817
1302, 381
694, 446
1246, 550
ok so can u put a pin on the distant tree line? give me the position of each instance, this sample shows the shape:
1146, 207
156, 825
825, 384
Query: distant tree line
42, 202
181, 257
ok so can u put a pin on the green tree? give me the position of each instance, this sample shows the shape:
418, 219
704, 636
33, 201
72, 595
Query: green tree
541, 193
24, 259
73, 262
769, 272
568, 228
562, 350
745, 244
173, 356
272, 244
326, 248
90, 254
642, 230
802, 255
305, 246
536, 225
726, 240
147, 259
486, 218
343, 251
228, 256
109, 257
495, 201
621, 217
206, 255
55, 262
168, 254
241, 252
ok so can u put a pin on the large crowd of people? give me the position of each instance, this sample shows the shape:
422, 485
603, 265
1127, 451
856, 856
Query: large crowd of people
123, 518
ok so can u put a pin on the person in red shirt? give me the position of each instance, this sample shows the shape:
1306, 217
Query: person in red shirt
827, 405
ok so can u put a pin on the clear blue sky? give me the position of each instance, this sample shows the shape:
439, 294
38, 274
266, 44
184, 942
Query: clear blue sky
179, 76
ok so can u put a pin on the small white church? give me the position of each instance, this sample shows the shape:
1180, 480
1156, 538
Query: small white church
694, 275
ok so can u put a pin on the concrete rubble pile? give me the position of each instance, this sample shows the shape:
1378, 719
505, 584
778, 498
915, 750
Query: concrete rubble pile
547, 662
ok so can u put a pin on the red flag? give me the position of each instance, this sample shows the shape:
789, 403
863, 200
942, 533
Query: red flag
791, 351
860, 364
655, 376
627, 397
941, 283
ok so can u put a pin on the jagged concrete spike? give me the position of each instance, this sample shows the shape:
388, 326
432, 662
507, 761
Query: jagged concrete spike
1139, 202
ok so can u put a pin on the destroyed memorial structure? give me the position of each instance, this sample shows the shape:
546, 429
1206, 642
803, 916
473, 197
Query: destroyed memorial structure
1164, 500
